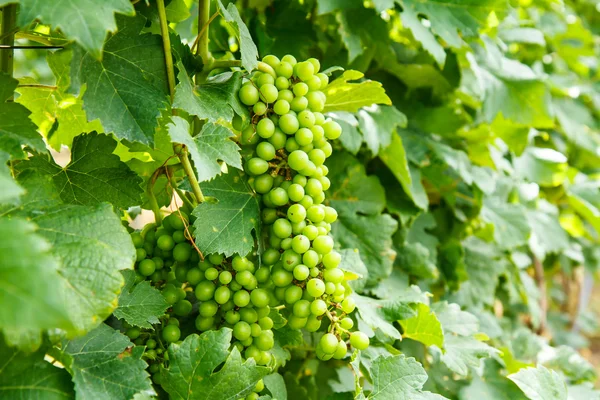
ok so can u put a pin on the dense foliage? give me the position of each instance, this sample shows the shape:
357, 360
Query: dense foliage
385, 199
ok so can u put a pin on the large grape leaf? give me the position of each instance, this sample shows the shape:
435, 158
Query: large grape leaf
211, 144
394, 157
547, 236
510, 222
451, 20
10, 189
226, 225
191, 372
215, 99
399, 377
126, 89
104, 365
92, 246
85, 21
247, 46
59, 115
540, 383
343, 95
351, 137
28, 376
140, 304
461, 353
94, 174
492, 385
423, 327
29, 281
16, 129
377, 124
577, 123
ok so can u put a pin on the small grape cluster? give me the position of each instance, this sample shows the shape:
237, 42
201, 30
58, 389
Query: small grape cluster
290, 136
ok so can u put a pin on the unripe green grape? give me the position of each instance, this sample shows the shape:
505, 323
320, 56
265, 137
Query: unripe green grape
293, 294
300, 244
272, 60
266, 310
249, 136
307, 202
310, 258
330, 288
241, 298
259, 108
133, 333
315, 287
208, 308
330, 215
182, 308
265, 128
313, 187
263, 183
270, 256
252, 352
295, 192
319, 198
298, 160
315, 102
247, 342
328, 343
348, 305
222, 294
259, 297
315, 214
262, 274
178, 237
316, 64
205, 290
318, 307
264, 341
295, 322
232, 317
243, 277
274, 242
158, 263
256, 330
296, 213
249, 315
314, 272
147, 267
140, 254
359, 340
300, 180
211, 274
284, 69
289, 59
281, 107
299, 103
264, 79
265, 323
256, 166
307, 148
313, 323
317, 156
265, 150
314, 83
301, 272
334, 275
339, 293
290, 259
286, 95
248, 94
289, 124
282, 83
268, 93
241, 330
278, 139
301, 308
182, 252
225, 277
282, 278
282, 228
324, 80
291, 145
332, 259
278, 196
303, 136
137, 239
204, 323
323, 244
309, 170
268, 215
171, 333
300, 89
304, 70
341, 350
347, 323
297, 227
332, 129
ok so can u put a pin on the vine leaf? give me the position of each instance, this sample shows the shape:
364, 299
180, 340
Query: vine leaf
423, 327
92, 246
16, 129
85, 21
399, 377
59, 115
36, 304
127, 89
191, 372
247, 46
140, 304
104, 365
211, 144
540, 383
28, 376
377, 124
11, 191
93, 176
343, 95
448, 20
226, 226
511, 228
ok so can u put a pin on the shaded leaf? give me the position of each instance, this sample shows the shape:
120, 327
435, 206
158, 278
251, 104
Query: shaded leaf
140, 304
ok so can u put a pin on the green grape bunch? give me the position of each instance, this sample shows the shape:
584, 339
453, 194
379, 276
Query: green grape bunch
290, 137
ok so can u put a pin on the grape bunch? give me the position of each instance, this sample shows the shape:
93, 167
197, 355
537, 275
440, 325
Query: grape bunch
289, 135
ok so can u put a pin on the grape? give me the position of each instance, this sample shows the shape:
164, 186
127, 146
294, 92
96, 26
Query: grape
304, 70
289, 123
272, 60
249, 136
324, 80
137, 239
241, 298
194, 276
225, 277
133, 333
303, 136
222, 294
340, 351
348, 305
359, 340
295, 192
323, 244
300, 243
257, 166
332, 129
182, 308
290, 259
306, 119
268, 93
328, 343
208, 308
242, 330
248, 94
284, 69
265, 128
278, 196
334, 275
347, 323
286, 95
147, 267
263, 183
281, 107
204, 290
264, 341
259, 108
249, 315
282, 228
291, 145
140, 254
314, 83
259, 297
264, 79
298, 160
300, 89
315, 287
296, 213
302, 308
299, 104
306, 202
204, 323
289, 59
182, 252
171, 333
301, 272
315, 102
332, 259
265, 150
296, 322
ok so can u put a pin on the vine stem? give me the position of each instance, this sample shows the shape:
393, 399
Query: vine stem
203, 23
152, 198
181, 151
9, 20
541, 282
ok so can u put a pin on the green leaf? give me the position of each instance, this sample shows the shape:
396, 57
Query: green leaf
372, 236
509, 220
510, 88
92, 246
351, 137
105, 366
547, 236
398, 377
493, 385
343, 95
394, 157
423, 327
546, 167
584, 391
211, 144
351, 262
461, 353
451, 20
377, 124
577, 123
226, 226
140, 304
16, 129
212, 100
540, 384
454, 320
29, 376
276, 385
523, 35
84, 21
327, 6
247, 46
11, 191
93, 176
417, 254
58, 115
583, 197
191, 372
29, 280
126, 89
